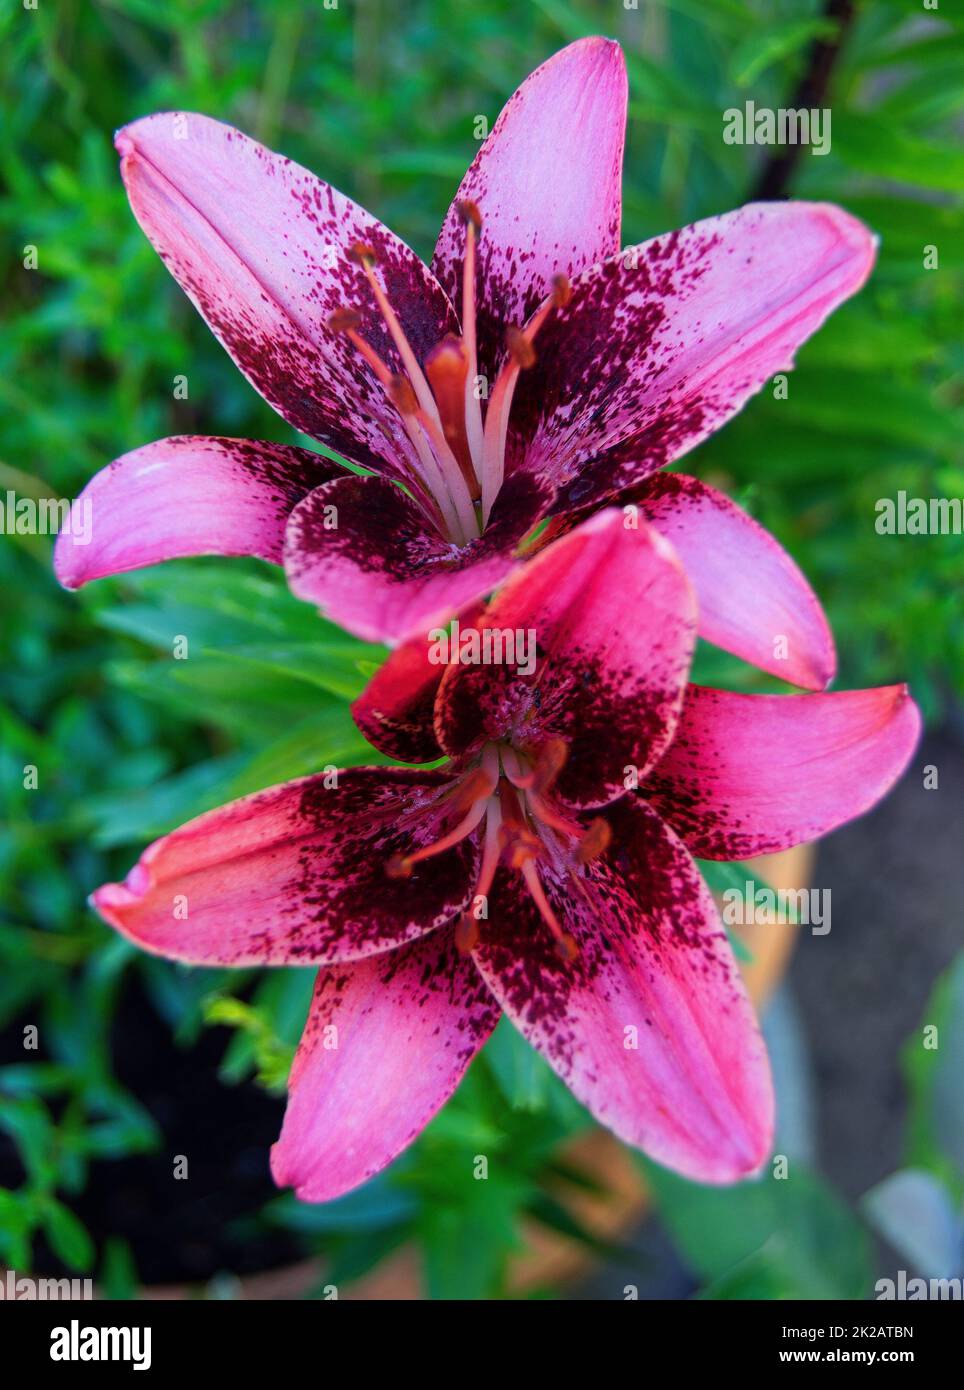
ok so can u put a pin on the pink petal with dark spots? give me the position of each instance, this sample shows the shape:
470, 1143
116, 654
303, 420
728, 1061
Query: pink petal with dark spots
384, 572
649, 1025
612, 620
547, 182
752, 774
387, 1041
297, 874
661, 345
260, 246
396, 710
188, 495
753, 599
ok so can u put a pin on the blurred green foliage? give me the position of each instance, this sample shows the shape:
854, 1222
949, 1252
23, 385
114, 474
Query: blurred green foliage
381, 100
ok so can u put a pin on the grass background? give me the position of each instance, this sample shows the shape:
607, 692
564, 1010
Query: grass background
382, 100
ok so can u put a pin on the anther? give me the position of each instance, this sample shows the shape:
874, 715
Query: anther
469, 212
402, 395
566, 948
550, 761
466, 934
561, 291
520, 348
344, 320
595, 841
399, 866
361, 254
519, 845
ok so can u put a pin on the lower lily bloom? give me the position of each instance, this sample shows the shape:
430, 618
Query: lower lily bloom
534, 370
545, 870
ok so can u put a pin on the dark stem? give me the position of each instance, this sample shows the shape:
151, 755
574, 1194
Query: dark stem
811, 92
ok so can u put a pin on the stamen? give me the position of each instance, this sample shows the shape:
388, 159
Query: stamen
403, 397
455, 481
521, 355
400, 391
595, 841
459, 523
365, 257
562, 291
359, 253
480, 782
520, 348
566, 947
472, 410
469, 214
544, 812
467, 929
472, 791
519, 842
347, 321
344, 319
466, 934
401, 865
447, 466
550, 761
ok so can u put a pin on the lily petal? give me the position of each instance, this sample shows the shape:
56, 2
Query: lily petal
260, 246
396, 710
382, 571
610, 620
387, 1041
547, 182
753, 599
649, 1025
659, 346
752, 774
187, 495
297, 874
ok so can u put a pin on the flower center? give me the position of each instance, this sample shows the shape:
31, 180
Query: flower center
461, 457
505, 795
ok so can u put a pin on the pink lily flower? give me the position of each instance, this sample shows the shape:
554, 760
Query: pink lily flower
534, 371
545, 870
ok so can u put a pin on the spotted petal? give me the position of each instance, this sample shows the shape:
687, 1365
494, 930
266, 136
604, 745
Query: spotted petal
396, 710
659, 346
547, 182
366, 554
649, 1025
260, 246
187, 495
606, 622
752, 774
753, 599
387, 1042
297, 874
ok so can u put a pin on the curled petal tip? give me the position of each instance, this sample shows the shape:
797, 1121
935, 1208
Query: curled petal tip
67, 571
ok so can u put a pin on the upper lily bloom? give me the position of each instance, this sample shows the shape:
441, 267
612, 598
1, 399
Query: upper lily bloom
545, 870
535, 370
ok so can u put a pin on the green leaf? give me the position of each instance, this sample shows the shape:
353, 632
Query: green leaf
796, 1233
68, 1237
933, 1061
772, 44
